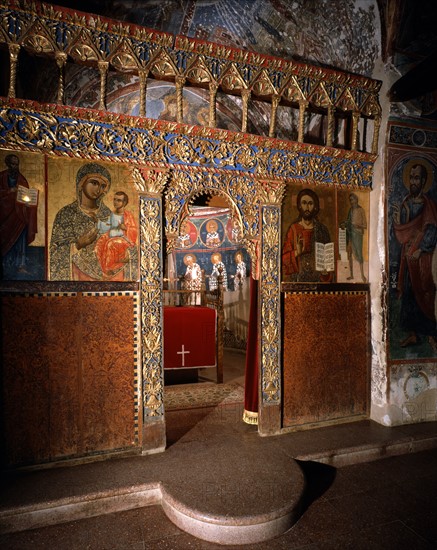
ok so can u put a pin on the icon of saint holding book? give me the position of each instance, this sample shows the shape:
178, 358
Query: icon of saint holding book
307, 252
18, 217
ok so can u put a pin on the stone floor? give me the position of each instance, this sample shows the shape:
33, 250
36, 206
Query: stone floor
356, 485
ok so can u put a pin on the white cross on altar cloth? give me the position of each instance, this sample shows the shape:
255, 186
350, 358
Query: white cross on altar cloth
183, 352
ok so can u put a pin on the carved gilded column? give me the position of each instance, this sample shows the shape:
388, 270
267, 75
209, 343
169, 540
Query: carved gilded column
269, 419
143, 89
245, 96
354, 138
331, 124
150, 194
103, 69
180, 81
275, 103
14, 50
303, 104
376, 127
61, 60
213, 87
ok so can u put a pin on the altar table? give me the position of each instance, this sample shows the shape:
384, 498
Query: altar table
189, 337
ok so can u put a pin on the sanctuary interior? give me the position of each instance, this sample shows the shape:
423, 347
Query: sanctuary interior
136, 145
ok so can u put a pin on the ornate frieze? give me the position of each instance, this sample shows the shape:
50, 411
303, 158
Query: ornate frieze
128, 139
405, 134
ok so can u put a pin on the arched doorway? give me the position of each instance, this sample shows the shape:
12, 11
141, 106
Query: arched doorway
258, 206
207, 268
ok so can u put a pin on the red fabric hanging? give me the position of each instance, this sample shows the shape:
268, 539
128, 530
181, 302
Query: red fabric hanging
250, 415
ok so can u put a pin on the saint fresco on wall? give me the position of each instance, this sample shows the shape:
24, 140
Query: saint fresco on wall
93, 222
22, 223
412, 233
212, 248
352, 262
308, 235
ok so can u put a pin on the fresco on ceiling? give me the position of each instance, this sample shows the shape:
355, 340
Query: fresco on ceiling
413, 47
412, 256
303, 30
22, 216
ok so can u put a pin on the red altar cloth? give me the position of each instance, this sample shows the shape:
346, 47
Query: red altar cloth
189, 337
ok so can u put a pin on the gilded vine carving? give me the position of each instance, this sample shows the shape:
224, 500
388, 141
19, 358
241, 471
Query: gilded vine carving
153, 184
109, 139
270, 306
151, 300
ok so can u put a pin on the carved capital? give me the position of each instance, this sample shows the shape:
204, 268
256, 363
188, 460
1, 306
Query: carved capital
271, 192
153, 185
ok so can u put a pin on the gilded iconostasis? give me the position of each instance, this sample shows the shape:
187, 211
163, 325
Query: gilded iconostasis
274, 28
78, 220
83, 225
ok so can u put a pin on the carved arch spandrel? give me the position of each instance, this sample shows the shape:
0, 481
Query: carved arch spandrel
241, 192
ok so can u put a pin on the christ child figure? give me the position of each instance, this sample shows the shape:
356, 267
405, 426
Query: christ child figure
118, 235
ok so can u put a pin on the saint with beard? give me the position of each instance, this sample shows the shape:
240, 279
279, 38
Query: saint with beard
298, 251
415, 227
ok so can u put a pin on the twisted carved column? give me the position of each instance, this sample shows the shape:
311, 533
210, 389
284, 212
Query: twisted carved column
61, 60
331, 123
14, 50
355, 119
143, 88
180, 81
213, 87
376, 126
245, 96
303, 104
103, 68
